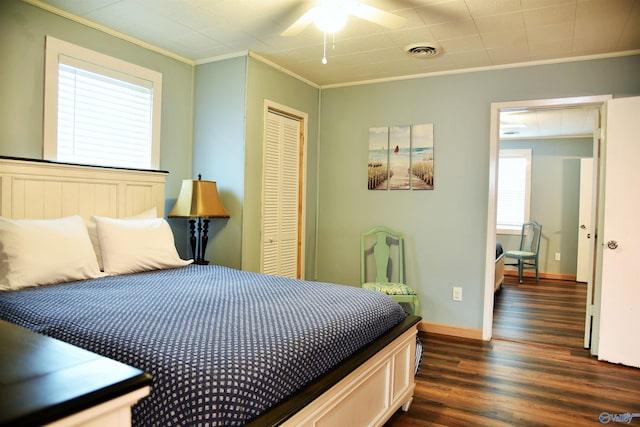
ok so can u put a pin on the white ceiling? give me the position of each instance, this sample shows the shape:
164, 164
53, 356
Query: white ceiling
468, 33
548, 123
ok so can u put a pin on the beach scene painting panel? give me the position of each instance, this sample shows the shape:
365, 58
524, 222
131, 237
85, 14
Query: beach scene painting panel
422, 170
378, 158
400, 157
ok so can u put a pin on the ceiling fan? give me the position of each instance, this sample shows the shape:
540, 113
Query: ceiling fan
331, 15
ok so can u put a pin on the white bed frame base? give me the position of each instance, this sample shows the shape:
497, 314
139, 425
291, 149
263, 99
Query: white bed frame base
113, 413
368, 396
499, 277
371, 394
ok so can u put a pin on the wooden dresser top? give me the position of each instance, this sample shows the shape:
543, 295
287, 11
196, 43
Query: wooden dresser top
43, 379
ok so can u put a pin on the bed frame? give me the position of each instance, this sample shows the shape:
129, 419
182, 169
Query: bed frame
366, 389
34, 189
499, 279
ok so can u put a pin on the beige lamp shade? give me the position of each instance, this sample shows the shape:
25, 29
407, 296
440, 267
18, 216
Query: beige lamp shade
198, 199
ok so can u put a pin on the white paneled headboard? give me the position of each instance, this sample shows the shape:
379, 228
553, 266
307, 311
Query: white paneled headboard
34, 189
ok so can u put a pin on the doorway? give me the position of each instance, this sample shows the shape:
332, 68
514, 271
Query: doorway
496, 110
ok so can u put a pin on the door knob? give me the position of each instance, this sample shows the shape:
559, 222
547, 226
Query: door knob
612, 244
582, 226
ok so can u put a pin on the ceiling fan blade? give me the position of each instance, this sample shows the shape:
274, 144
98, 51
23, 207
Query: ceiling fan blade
300, 24
377, 16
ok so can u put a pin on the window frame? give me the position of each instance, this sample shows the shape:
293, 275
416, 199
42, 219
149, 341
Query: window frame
524, 153
55, 52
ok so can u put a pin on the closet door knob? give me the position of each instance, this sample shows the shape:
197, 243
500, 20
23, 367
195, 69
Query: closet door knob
612, 244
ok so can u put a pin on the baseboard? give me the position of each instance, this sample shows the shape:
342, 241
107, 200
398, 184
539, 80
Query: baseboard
552, 276
456, 331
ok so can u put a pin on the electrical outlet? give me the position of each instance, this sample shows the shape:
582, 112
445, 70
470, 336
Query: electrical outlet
557, 258
457, 293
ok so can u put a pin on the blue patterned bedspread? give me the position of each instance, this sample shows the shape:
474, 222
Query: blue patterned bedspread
222, 345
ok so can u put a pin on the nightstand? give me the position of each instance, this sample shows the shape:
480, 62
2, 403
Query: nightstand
44, 381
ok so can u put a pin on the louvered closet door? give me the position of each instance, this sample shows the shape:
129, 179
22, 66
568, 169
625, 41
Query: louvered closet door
281, 196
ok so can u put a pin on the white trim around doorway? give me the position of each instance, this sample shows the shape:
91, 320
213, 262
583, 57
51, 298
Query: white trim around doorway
496, 108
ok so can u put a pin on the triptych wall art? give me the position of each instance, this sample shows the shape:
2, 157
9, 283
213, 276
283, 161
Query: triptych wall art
401, 157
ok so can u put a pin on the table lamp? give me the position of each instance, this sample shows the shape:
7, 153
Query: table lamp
199, 201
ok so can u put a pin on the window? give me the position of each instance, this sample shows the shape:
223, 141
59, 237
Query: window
100, 110
514, 190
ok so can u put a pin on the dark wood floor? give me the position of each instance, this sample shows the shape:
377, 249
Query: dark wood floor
544, 312
535, 374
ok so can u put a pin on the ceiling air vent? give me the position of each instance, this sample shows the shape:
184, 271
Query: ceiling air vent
421, 50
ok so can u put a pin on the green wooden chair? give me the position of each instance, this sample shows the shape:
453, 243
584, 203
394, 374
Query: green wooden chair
527, 255
382, 253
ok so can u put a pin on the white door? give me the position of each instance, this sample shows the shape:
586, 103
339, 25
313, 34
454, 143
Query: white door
281, 196
585, 266
619, 240
587, 239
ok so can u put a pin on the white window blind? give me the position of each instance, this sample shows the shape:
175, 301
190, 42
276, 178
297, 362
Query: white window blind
100, 110
103, 120
514, 181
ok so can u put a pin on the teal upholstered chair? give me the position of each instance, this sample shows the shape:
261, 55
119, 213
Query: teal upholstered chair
382, 258
527, 255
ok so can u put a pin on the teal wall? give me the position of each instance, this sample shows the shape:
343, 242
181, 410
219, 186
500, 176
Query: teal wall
555, 198
212, 123
219, 149
228, 132
445, 228
266, 83
22, 33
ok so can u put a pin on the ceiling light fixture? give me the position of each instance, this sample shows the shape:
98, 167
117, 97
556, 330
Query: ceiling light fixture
330, 17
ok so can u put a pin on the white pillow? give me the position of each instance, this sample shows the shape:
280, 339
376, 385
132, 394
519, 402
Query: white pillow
93, 233
132, 245
40, 252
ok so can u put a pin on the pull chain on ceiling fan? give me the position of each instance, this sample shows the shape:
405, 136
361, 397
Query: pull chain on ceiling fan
333, 47
331, 15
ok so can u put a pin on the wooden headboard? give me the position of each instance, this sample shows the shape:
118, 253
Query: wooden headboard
35, 189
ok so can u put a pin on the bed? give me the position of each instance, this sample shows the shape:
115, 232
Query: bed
224, 347
499, 275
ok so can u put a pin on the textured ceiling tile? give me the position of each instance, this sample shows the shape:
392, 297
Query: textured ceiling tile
537, 4
483, 7
549, 33
443, 12
410, 36
463, 44
497, 23
506, 39
478, 58
630, 38
512, 30
550, 49
550, 15
454, 30
506, 55
599, 26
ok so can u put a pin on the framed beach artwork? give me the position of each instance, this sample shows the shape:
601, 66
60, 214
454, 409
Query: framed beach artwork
401, 158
